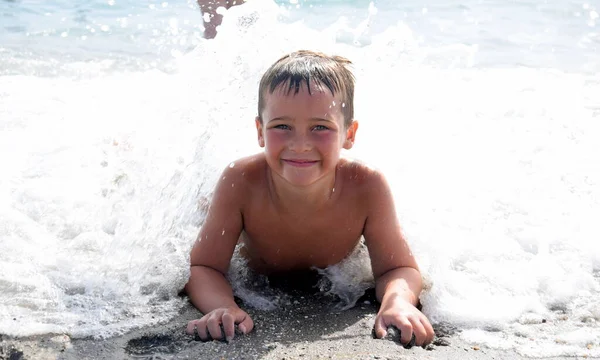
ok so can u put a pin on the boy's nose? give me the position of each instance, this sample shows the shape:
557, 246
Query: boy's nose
300, 143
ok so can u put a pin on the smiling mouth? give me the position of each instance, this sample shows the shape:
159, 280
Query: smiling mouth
300, 163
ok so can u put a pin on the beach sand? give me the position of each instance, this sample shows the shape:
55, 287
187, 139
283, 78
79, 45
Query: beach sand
306, 328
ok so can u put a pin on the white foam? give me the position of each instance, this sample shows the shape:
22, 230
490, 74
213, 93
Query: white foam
494, 173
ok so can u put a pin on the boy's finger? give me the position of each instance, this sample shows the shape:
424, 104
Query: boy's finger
202, 332
419, 333
429, 330
245, 323
411, 343
228, 326
190, 327
214, 330
196, 334
406, 331
379, 329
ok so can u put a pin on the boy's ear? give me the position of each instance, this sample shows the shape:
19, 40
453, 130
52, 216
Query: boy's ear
259, 130
350, 135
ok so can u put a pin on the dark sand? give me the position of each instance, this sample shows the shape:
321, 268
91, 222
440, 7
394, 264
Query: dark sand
309, 328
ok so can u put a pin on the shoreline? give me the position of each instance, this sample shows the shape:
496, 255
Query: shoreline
306, 329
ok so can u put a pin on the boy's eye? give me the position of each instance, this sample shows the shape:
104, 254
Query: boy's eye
320, 127
281, 126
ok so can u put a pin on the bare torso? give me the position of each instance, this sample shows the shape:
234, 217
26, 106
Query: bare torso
276, 239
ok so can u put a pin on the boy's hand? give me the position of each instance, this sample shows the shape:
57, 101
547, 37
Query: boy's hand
210, 325
407, 318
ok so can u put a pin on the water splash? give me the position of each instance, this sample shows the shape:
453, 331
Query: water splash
493, 170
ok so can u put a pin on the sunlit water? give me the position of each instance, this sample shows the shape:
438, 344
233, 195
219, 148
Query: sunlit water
116, 118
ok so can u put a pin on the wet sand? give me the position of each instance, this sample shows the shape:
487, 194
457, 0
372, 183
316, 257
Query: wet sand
308, 328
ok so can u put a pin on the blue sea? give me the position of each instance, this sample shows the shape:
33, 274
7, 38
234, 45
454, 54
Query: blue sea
117, 116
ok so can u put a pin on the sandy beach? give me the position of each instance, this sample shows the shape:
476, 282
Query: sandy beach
307, 329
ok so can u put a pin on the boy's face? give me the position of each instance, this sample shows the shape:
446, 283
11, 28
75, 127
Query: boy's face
303, 133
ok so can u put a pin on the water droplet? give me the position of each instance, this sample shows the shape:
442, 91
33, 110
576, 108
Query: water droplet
223, 232
231, 165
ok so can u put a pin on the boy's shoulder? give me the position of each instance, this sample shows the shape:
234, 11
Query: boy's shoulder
362, 179
249, 170
359, 173
366, 185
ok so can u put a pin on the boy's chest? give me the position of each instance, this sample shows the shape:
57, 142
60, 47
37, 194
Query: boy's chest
284, 241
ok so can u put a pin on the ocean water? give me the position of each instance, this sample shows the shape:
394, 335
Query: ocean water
116, 118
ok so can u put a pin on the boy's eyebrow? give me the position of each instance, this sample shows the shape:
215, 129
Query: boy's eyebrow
322, 119
284, 118
281, 118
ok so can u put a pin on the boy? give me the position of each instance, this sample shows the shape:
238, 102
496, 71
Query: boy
300, 205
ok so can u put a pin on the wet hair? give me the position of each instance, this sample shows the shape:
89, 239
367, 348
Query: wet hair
303, 67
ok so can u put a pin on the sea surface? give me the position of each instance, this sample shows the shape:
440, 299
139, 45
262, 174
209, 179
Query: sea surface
116, 118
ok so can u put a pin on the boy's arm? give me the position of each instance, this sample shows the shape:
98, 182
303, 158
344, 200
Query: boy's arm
208, 287
397, 276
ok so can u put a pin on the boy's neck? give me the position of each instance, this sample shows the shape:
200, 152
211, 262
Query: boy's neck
309, 198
